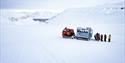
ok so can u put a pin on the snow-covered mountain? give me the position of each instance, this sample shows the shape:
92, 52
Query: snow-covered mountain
26, 16
93, 15
33, 42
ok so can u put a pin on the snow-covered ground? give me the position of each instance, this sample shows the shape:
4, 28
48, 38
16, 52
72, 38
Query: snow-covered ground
27, 41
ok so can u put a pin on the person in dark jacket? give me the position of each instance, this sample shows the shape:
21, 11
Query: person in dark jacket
97, 36
105, 37
109, 38
101, 37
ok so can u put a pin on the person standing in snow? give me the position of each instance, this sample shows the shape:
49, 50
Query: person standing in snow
105, 37
101, 37
97, 36
109, 38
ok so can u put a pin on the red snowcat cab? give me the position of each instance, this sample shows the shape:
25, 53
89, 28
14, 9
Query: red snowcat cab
67, 32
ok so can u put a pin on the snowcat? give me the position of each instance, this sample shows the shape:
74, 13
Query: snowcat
68, 33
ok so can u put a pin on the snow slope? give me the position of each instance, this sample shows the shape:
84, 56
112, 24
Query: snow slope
42, 43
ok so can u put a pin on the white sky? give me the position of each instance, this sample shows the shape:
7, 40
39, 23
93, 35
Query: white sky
52, 4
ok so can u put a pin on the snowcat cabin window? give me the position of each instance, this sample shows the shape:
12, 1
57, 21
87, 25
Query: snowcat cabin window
84, 30
68, 30
78, 30
64, 30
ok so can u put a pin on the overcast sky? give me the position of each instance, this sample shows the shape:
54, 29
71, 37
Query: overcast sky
52, 4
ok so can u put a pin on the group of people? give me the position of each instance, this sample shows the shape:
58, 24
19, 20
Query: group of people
102, 37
